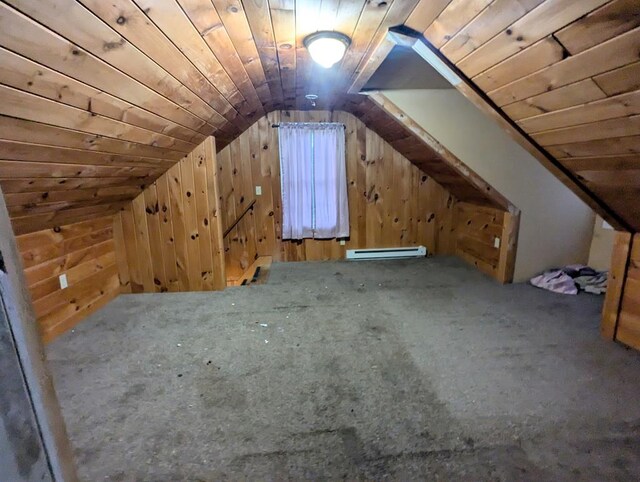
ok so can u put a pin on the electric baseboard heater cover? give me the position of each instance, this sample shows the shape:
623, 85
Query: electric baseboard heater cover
387, 253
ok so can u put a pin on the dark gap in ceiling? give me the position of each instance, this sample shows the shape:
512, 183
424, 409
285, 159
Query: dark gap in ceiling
404, 69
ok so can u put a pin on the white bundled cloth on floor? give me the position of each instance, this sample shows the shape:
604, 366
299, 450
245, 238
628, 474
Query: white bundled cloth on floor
570, 279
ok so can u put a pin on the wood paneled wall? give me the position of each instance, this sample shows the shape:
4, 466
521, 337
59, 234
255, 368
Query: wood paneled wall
202, 223
487, 238
236, 165
391, 202
621, 311
169, 238
628, 330
83, 251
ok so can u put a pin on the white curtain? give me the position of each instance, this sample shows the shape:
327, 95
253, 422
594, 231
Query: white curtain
314, 181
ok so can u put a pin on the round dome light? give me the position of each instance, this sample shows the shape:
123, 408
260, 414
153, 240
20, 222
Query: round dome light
327, 48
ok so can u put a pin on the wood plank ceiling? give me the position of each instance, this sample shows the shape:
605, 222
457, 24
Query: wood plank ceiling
566, 71
99, 98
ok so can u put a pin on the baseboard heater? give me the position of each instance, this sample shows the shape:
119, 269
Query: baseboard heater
387, 253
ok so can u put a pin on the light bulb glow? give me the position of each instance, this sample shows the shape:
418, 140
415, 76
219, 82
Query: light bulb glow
327, 48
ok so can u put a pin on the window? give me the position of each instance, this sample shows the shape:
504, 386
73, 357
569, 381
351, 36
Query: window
314, 180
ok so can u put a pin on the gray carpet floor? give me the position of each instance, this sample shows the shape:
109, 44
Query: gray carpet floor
360, 370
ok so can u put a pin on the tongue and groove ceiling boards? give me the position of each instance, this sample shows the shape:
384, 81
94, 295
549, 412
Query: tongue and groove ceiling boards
566, 72
99, 98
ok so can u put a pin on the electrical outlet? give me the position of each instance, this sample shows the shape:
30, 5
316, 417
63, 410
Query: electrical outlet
496, 242
63, 281
342, 242
258, 190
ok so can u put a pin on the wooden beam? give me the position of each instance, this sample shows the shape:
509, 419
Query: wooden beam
628, 325
372, 64
456, 164
397, 14
508, 247
617, 276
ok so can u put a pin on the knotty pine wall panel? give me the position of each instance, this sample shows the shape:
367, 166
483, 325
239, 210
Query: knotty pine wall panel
202, 224
615, 284
85, 253
628, 310
169, 238
487, 238
237, 193
391, 202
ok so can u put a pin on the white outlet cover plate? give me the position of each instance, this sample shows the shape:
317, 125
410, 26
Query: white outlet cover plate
496, 242
258, 190
63, 281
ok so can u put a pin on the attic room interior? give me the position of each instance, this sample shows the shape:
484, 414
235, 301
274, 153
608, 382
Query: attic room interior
336, 239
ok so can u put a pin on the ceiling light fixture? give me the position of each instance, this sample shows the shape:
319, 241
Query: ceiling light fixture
327, 48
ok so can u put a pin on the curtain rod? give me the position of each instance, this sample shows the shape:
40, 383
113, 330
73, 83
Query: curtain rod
278, 125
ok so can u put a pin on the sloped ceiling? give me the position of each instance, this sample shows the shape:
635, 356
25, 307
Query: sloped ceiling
567, 72
100, 97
